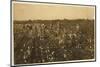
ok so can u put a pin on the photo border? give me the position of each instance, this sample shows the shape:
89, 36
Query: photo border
49, 63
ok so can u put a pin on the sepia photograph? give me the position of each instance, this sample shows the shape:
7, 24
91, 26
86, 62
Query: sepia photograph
47, 33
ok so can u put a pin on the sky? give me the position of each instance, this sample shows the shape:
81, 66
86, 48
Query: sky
35, 11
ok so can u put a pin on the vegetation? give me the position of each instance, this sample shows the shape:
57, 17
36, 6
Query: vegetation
39, 41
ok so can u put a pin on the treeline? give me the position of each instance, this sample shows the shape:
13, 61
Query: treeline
50, 21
